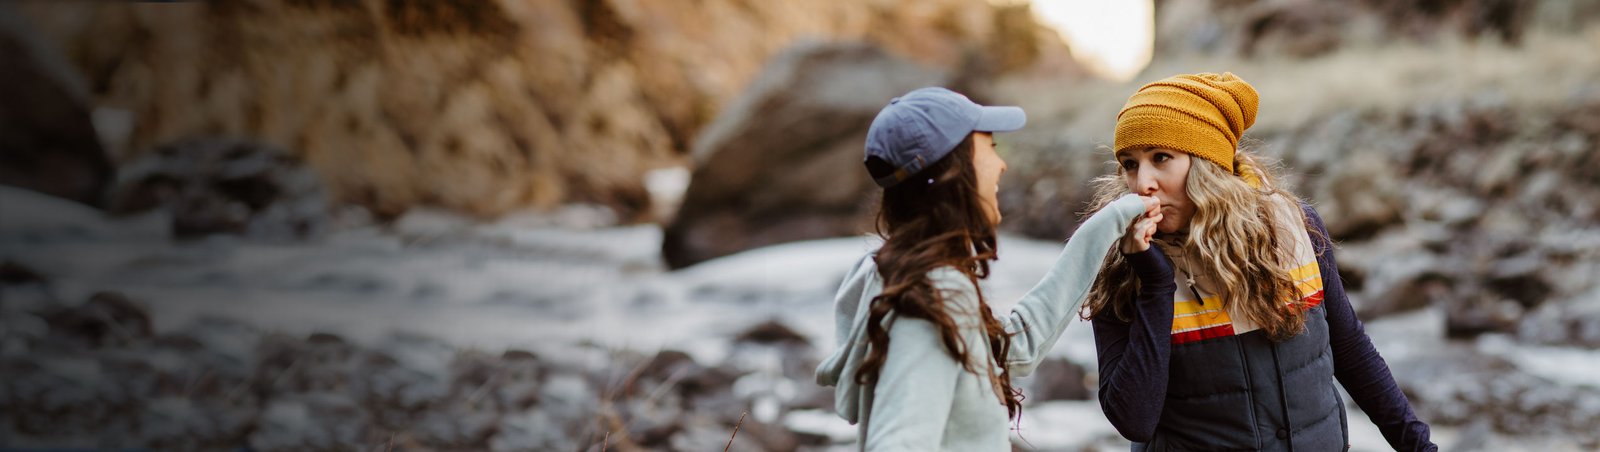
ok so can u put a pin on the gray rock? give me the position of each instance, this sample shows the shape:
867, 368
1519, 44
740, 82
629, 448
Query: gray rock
232, 342
783, 163
29, 299
700, 433
1306, 28
311, 421
225, 186
61, 395
532, 430
518, 386
770, 332
569, 399
176, 422
1478, 315
17, 274
406, 376
464, 422
1455, 385
321, 362
1574, 322
1359, 197
106, 319
47, 140
758, 347
1056, 379
653, 416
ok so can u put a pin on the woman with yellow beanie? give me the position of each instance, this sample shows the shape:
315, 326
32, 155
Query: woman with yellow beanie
1227, 334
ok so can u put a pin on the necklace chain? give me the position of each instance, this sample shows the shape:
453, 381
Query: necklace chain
1188, 277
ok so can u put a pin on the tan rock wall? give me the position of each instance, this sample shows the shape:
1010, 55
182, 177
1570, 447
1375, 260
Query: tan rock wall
481, 106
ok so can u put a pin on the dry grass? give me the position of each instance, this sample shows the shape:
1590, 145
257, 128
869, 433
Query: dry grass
1545, 70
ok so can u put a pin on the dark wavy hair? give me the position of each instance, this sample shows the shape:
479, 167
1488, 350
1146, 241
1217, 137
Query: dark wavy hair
927, 225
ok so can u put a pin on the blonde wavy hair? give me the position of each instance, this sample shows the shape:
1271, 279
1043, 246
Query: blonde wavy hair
1240, 235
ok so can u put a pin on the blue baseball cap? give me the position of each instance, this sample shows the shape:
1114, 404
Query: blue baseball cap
924, 125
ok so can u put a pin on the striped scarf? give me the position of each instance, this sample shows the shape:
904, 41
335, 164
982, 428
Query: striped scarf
1197, 312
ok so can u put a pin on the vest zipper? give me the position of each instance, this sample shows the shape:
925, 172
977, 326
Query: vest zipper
1283, 400
1249, 393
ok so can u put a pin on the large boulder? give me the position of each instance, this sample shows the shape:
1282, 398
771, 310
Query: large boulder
486, 107
47, 138
783, 163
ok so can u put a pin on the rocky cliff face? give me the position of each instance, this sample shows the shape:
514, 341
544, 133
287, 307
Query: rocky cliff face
1455, 166
480, 106
1459, 176
1304, 28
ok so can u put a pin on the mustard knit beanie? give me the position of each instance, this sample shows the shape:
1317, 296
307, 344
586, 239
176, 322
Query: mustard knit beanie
1201, 114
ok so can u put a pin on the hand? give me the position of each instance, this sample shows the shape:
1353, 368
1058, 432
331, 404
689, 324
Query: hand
1137, 238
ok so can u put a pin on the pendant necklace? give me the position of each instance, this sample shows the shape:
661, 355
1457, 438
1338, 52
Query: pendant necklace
1188, 277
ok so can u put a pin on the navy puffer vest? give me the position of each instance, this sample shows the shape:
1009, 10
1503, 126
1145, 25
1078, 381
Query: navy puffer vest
1244, 392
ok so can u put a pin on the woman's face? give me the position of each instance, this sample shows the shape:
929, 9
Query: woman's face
1161, 173
989, 166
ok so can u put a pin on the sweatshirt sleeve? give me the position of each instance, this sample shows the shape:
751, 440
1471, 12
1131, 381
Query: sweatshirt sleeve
915, 390
1040, 316
1357, 364
1134, 355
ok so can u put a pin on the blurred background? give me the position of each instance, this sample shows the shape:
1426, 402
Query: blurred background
618, 224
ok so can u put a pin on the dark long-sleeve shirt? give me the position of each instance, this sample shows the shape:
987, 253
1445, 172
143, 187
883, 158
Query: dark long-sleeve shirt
1134, 355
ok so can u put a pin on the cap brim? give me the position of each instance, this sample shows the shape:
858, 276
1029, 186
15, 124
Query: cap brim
1001, 119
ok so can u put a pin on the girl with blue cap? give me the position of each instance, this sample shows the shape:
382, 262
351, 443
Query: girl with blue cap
922, 363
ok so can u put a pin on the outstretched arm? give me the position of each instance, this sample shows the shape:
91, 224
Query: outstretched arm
1357, 363
1040, 316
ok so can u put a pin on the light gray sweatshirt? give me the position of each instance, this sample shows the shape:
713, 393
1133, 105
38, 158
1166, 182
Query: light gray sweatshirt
924, 400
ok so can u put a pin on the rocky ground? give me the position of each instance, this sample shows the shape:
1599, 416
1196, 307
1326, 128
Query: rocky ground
553, 332
228, 293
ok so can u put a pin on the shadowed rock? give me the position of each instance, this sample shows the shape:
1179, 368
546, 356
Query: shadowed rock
1456, 385
771, 332
227, 186
783, 163
47, 138
1057, 379
107, 319
1308, 28
13, 273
